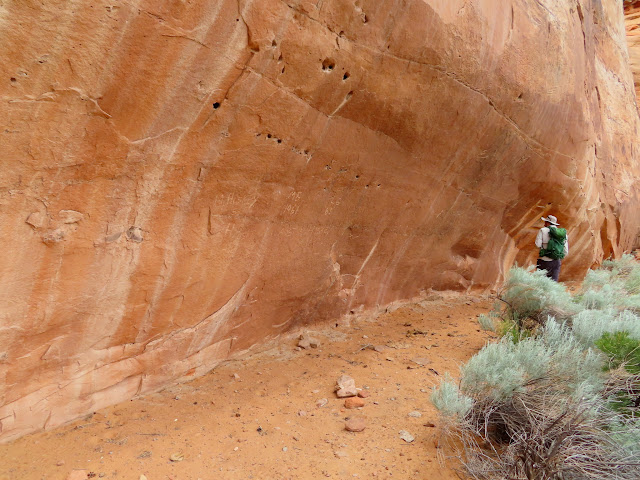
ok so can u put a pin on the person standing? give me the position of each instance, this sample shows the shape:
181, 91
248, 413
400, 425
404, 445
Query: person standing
553, 243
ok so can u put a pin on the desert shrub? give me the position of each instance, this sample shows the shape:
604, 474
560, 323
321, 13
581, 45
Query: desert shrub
632, 282
503, 368
538, 409
590, 325
527, 299
608, 302
530, 294
448, 399
504, 327
557, 397
514, 331
615, 285
488, 321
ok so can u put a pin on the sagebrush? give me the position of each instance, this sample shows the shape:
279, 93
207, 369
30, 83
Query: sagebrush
556, 397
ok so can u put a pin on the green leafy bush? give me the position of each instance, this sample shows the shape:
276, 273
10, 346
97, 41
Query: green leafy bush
622, 350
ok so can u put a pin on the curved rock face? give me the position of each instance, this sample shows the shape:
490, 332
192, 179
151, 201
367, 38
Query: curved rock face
632, 26
182, 179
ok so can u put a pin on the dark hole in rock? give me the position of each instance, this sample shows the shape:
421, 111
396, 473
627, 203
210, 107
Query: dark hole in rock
13, 79
328, 64
346, 75
274, 43
216, 105
279, 140
268, 135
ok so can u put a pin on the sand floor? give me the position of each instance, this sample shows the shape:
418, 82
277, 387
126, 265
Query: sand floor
274, 414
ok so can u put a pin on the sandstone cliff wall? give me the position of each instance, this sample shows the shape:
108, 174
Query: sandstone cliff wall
632, 26
181, 179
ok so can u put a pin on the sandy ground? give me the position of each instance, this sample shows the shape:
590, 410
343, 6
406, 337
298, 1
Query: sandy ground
262, 416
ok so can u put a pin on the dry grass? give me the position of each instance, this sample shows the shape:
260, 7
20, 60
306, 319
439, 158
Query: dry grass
541, 434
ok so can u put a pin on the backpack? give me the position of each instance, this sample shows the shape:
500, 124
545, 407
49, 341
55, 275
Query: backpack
555, 247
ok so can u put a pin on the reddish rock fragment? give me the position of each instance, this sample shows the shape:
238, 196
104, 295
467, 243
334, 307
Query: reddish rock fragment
355, 424
354, 402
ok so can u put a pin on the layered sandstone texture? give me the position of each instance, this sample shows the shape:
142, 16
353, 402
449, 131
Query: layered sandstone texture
632, 25
183, 178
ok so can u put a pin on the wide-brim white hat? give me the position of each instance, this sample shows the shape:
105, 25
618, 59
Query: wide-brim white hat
551, 219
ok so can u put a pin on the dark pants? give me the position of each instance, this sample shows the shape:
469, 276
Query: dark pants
551, 266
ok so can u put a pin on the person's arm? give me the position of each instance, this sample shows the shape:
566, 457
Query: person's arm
566, 246
539, 239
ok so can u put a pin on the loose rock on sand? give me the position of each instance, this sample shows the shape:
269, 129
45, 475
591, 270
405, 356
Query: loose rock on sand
346, 387
355, 424
354, 402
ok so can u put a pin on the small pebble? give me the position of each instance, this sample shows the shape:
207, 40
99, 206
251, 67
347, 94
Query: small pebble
406, 436
176, 457
355, 424
421, 361
415, 414
284, 449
